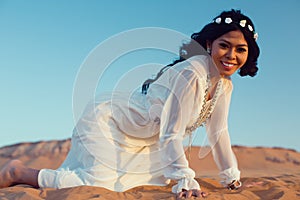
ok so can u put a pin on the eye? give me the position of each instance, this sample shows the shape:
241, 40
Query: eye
223, 45
241, 50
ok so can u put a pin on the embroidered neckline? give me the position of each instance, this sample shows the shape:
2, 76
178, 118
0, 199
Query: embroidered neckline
205, 113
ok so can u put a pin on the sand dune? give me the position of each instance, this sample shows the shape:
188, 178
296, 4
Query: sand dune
267, 173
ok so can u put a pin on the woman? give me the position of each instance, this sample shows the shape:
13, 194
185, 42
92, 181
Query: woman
120, 143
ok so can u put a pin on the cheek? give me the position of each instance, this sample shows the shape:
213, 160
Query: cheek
216, 55
243, 59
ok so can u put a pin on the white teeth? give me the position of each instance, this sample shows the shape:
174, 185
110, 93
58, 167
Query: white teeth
227, 64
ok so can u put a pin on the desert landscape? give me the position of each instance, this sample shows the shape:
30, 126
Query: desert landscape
267, 173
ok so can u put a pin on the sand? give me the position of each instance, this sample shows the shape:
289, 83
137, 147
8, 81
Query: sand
267, 173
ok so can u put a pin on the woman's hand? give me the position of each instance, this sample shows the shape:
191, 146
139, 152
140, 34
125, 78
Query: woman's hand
234, 185
190, 193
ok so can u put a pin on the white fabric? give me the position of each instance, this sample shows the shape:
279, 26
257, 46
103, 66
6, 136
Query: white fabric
127, 140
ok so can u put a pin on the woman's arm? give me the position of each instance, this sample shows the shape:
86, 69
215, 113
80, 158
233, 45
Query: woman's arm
175, 116
218, 136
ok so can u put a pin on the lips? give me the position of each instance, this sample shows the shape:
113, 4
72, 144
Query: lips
227, 66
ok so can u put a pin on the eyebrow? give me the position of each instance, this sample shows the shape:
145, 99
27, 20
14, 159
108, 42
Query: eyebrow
240, 45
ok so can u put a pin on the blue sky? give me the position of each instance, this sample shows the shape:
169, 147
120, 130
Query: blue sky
44, 43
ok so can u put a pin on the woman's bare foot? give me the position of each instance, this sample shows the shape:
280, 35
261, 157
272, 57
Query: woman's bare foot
10, 173
14, 172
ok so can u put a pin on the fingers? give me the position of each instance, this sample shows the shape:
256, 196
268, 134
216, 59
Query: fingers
203, 194
199, 193
180, 194
190, 193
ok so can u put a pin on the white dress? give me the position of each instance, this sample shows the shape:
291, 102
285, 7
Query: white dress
127, 140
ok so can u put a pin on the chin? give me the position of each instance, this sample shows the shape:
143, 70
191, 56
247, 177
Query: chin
226, 73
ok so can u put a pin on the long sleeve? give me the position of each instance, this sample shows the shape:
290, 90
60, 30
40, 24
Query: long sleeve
175, 116
218, 136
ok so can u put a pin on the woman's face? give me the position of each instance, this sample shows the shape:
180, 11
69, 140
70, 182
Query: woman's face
229, 52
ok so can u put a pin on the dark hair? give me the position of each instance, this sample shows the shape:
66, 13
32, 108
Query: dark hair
211, 32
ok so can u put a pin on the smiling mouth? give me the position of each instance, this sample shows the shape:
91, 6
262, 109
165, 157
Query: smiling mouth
227, 66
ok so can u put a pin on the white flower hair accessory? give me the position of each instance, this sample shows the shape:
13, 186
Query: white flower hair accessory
218, 20
228, 20
255, 36
250, 27
242, 23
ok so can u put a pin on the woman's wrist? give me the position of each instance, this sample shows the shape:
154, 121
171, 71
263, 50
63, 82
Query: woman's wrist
234, 185
186, 184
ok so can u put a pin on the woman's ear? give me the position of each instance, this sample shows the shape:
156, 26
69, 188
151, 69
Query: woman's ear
208, 44
208, 47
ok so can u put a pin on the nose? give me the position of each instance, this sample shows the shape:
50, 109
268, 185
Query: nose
230, 54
